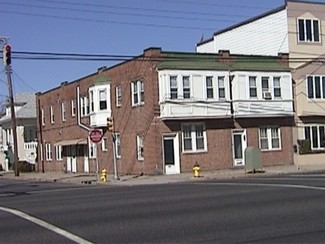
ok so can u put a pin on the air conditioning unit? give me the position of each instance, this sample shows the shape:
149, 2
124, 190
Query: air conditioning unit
267, 95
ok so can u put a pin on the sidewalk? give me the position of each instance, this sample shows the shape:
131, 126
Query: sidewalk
129, 180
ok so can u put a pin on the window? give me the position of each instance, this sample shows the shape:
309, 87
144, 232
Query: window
48, 152
209, 86
84, 105
140, 147
221, 87
276, 87
104, 144
92, 150
173, 87
137, 88
316, 87
91, 101
102, 100
269, 138
118, 145
265, 84
58, 152
186, 87
52, 115
73, 108
43, 117
308, 30
316, 135
118, 94
63, 111
194, 137
252, 87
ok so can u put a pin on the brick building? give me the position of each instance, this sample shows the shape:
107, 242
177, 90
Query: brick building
170, 111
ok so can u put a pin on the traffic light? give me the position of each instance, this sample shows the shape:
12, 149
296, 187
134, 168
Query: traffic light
6, 53
110, 123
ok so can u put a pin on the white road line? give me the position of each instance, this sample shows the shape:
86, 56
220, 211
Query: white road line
46, 225
269, 185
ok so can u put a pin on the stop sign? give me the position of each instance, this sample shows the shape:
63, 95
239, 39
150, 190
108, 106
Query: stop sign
96, 135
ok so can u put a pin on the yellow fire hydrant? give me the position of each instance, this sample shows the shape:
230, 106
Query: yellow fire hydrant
196, 170
103, 175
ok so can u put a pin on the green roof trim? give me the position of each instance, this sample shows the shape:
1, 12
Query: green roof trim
101, 79
199, 61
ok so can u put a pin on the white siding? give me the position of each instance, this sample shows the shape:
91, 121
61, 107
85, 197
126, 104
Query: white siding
264, 36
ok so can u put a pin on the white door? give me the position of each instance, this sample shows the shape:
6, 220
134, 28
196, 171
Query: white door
171, 154
239, 145
73, 159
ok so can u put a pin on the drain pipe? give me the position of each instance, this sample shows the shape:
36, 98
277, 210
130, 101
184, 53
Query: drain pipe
78, 111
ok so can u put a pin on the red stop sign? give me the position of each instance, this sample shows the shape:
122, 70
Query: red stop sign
96, 135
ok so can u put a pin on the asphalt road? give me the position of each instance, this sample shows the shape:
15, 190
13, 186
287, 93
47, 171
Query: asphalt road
259, 210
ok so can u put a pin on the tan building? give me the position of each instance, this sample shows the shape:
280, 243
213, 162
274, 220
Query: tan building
170, 111
296, 28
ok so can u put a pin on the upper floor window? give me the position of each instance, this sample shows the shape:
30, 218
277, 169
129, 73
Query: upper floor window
52, 115
137, 88
308, 30
252, 87
269, 138
63, 111
194, 137
118, 95
84, 106
265, 84
276, 87
102, 99
91, 101
43, 117
173, 87
73, 107
221, 87
316, 135
316, 87
209, 86
186, 87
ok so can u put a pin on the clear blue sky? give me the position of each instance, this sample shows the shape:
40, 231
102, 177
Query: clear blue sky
112, 27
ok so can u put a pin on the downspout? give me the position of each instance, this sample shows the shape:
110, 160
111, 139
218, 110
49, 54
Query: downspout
41, 149
78, 112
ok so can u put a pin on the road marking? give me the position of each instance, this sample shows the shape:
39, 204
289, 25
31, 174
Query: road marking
269, 185
46, 225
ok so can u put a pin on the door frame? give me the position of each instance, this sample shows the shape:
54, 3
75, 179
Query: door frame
242, 132
176, 168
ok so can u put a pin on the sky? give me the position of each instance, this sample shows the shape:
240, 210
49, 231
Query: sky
107, 27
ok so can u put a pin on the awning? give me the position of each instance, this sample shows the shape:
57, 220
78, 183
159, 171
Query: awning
71, 142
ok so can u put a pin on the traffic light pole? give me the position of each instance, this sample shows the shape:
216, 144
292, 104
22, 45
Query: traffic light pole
13, 119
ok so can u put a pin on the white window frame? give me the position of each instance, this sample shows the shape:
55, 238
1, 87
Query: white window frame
91, 101
48, 152
209, 87
73, 108
51, 115
102, 101
63, 112
192, 136
277, 87
252, 85
320, 138
313, 94
140, 148
43, 117
221, 87
308, 36
173, 88
137, 90
58, 152
269, 138
186, 87
104, 144
92, 150
118, 95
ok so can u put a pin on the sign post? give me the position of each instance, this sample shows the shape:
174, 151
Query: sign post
96, 136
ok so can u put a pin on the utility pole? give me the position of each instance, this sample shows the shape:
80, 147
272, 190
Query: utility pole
6, 53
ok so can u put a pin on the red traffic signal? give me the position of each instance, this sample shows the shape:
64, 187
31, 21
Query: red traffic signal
6, 53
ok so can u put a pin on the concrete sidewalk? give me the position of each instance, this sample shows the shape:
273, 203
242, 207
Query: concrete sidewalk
129, 180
